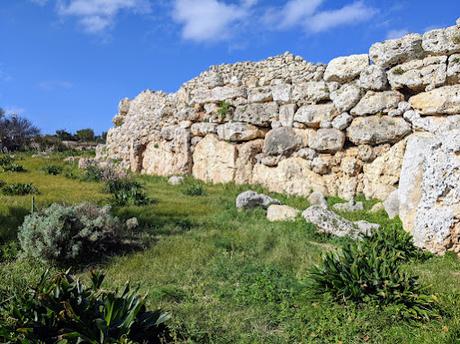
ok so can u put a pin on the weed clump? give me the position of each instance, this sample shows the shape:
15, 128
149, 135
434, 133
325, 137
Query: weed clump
62, 309
371, 271
19, 189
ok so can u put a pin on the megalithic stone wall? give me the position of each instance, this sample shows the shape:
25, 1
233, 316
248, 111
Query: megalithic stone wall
297, 127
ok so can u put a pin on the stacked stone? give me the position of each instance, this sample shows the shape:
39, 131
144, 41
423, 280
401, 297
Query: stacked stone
297, 127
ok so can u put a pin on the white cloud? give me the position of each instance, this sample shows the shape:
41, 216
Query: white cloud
14, 110
308, 15
51, 85
97, 15
350, 14
393, 34
297, 10
209, 20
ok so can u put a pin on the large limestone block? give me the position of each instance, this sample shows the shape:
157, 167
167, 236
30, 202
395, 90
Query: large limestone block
286, 114
282, 93
326, 140
373, 78
246, 160
258, 114
346, 97
310, 92
346, 68
437, 217
214, 160
395, 51
313, 115
292, 176
442, 41
166, 158
260, 94
418, 74
238, 132
440, 101
410, 180
277, 213
382, 175
375, 130
227, 93
374, 103
453, 69
203, 128
282, 141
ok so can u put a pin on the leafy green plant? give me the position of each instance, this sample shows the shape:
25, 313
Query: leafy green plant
53, 170
398, 71
126, 192
73, 234
13, 167
224, 109
194, 188
19, 189
62, 309
371, 271
9, 251
6, 159
93, 173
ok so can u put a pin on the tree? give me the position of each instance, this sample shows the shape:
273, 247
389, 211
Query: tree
16, 132
85, 135
64, 135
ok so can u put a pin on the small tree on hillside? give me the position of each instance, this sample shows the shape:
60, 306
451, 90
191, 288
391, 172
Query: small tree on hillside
85, 135
16, 132
64, 135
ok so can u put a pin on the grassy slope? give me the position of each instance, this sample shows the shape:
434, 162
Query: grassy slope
233, 277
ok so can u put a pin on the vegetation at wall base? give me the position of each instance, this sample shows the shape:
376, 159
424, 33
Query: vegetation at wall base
62, 309
126, 192
371, 270
53, 170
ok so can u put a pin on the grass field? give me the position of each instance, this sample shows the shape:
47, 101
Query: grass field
233, 277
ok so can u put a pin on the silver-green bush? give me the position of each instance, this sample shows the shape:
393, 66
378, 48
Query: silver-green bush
70, 234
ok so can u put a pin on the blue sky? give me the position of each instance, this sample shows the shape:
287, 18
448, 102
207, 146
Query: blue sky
67, 63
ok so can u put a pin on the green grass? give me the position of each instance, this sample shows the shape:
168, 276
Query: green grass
233, 277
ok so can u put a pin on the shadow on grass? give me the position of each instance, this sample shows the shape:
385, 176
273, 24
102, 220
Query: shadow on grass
10, 222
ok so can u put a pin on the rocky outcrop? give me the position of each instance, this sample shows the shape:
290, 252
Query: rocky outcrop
251, 199
296, 127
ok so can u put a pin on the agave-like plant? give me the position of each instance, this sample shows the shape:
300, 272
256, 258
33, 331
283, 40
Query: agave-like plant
61, 309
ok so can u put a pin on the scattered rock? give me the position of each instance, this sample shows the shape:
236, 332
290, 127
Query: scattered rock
175, 180
377, 207
349, 206
391, 204
328, 222
281, 213
251, 199
317, 198
132, 223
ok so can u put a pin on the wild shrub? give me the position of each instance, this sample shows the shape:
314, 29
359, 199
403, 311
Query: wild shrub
126, 192
61, 309
70, 234
92, 173
13, 167
6, 159
53, 170
371, 271
9, 251
194, 188
19, 189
